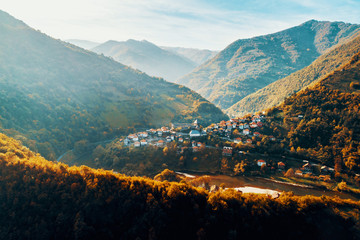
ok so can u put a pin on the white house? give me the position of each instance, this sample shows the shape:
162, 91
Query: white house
195, 133
246, 131
137, 144
143, 142
261, 162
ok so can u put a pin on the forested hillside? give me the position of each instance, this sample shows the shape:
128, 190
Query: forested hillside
54, 94
322, 122
275, 93
45, 200
248, 65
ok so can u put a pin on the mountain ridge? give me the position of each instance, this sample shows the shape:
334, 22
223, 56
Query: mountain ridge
147, 57
247, 65
55, 94
276, 92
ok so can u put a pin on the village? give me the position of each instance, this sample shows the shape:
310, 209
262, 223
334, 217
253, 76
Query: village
246, 131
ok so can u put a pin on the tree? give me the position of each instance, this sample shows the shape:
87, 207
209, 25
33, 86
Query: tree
240, 168
290, 173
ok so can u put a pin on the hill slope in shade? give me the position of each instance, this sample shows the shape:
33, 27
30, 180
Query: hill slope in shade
275, 93
199, 56
329, 129
46, 200
148, 58
54, 94
83, 43
248, 65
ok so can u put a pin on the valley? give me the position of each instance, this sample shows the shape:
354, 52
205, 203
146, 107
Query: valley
127, 139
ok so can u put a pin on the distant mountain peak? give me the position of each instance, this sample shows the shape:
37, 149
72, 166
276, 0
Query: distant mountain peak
248, 65
147, 57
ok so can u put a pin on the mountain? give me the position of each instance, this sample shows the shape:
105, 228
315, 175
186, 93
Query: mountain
199, 56
54, 94
46, 200
276, 92
148, 58
248, 65
83, 43
328, 128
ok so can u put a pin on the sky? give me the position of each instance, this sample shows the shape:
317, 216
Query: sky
211, 24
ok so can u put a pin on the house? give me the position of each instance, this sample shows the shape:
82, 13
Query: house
237, 140
257, 134
246, 131
199, 144
260, 124
249, 141
172, 137
246, 125
227, 151
195, 133
144, 134
272, 138
136, 144
253, 125
193, 143
241, 126
168, 139
152, 131
181, 140
261, 162
160, 143
324, 169
159, 132
307, 168
195, 149
165, 129
298, 173
281, 165
143, 142
126, 141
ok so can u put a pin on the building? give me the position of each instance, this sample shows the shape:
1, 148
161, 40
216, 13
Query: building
281, 165
160, 143
261, 163
227, 151
307, 168
143, 142
237, 140
195, 133
257, 134
246, 131
136, 144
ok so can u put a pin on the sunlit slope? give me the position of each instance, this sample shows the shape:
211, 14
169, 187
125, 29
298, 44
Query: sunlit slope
248, 65
54, 93
45, 200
